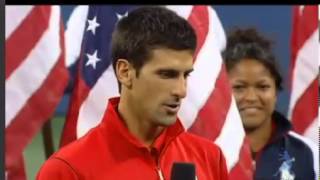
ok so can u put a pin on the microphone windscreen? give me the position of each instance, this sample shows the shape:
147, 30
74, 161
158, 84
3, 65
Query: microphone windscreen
183, 171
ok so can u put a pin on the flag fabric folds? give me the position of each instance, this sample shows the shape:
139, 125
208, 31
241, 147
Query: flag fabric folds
35, 76
209, 110
304, 69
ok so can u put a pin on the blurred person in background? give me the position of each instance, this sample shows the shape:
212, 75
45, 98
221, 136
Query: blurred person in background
277, 152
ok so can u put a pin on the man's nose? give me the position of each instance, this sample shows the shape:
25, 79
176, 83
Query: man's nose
180, 88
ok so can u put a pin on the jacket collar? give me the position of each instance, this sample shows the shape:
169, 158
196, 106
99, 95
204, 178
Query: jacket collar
281, 126
113, 125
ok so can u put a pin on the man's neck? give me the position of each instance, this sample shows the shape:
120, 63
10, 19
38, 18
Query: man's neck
143, 129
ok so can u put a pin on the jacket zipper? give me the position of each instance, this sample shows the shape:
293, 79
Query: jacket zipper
159, 167
160, 173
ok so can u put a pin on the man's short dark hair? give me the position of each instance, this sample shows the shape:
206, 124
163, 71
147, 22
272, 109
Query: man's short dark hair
249, 44
148, 28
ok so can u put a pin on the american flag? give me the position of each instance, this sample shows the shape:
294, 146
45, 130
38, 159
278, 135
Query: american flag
304, 69
36, 77
209, 110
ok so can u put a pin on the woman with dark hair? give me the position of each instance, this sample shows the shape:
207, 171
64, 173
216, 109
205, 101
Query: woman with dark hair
277, 152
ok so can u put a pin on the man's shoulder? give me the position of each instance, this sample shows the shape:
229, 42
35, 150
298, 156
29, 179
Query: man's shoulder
82, 148
75, 158
56, 168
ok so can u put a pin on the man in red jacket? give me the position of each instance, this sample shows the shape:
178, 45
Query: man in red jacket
140, 136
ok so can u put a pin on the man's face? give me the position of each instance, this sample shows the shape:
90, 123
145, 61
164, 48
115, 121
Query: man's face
157, 91
255, 92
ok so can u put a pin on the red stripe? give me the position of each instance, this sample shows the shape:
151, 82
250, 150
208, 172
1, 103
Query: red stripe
25, 37
199, 20
80, 93
17, 170
212, 115
306, 109
304, 26
203, 125
243, 169
38, 109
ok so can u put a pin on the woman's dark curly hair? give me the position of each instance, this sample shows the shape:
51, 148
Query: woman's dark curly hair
249, 44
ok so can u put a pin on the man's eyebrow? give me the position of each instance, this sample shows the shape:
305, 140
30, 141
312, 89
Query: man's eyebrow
173, 70
166, 70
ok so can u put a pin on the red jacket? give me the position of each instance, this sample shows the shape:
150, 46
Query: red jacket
109, 151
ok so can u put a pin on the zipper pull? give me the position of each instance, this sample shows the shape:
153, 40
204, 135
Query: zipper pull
160, 174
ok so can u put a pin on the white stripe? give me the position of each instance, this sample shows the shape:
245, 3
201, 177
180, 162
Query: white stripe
74, 33
306, 69
29, 76
312, 132
314, 148
219, 34
203, 78
92, 109
183, 11
14, 16
232, 136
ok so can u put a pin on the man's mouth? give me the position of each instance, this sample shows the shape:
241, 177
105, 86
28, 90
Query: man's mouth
172, 108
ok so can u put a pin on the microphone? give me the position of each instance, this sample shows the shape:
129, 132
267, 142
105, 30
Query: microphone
183, 171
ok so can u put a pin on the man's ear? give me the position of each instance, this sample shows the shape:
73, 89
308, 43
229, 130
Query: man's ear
124, 72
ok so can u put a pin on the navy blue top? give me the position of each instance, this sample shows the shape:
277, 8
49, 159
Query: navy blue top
285, 156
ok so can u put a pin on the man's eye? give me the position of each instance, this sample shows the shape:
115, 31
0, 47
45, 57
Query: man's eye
168, 74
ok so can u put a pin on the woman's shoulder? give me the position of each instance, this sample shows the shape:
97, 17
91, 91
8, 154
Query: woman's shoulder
301, 142
306, 148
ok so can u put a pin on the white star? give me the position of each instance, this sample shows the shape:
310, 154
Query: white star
93, 25
93, 59
120, 16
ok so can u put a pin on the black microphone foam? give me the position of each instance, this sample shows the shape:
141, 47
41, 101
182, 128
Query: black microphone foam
183, 171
